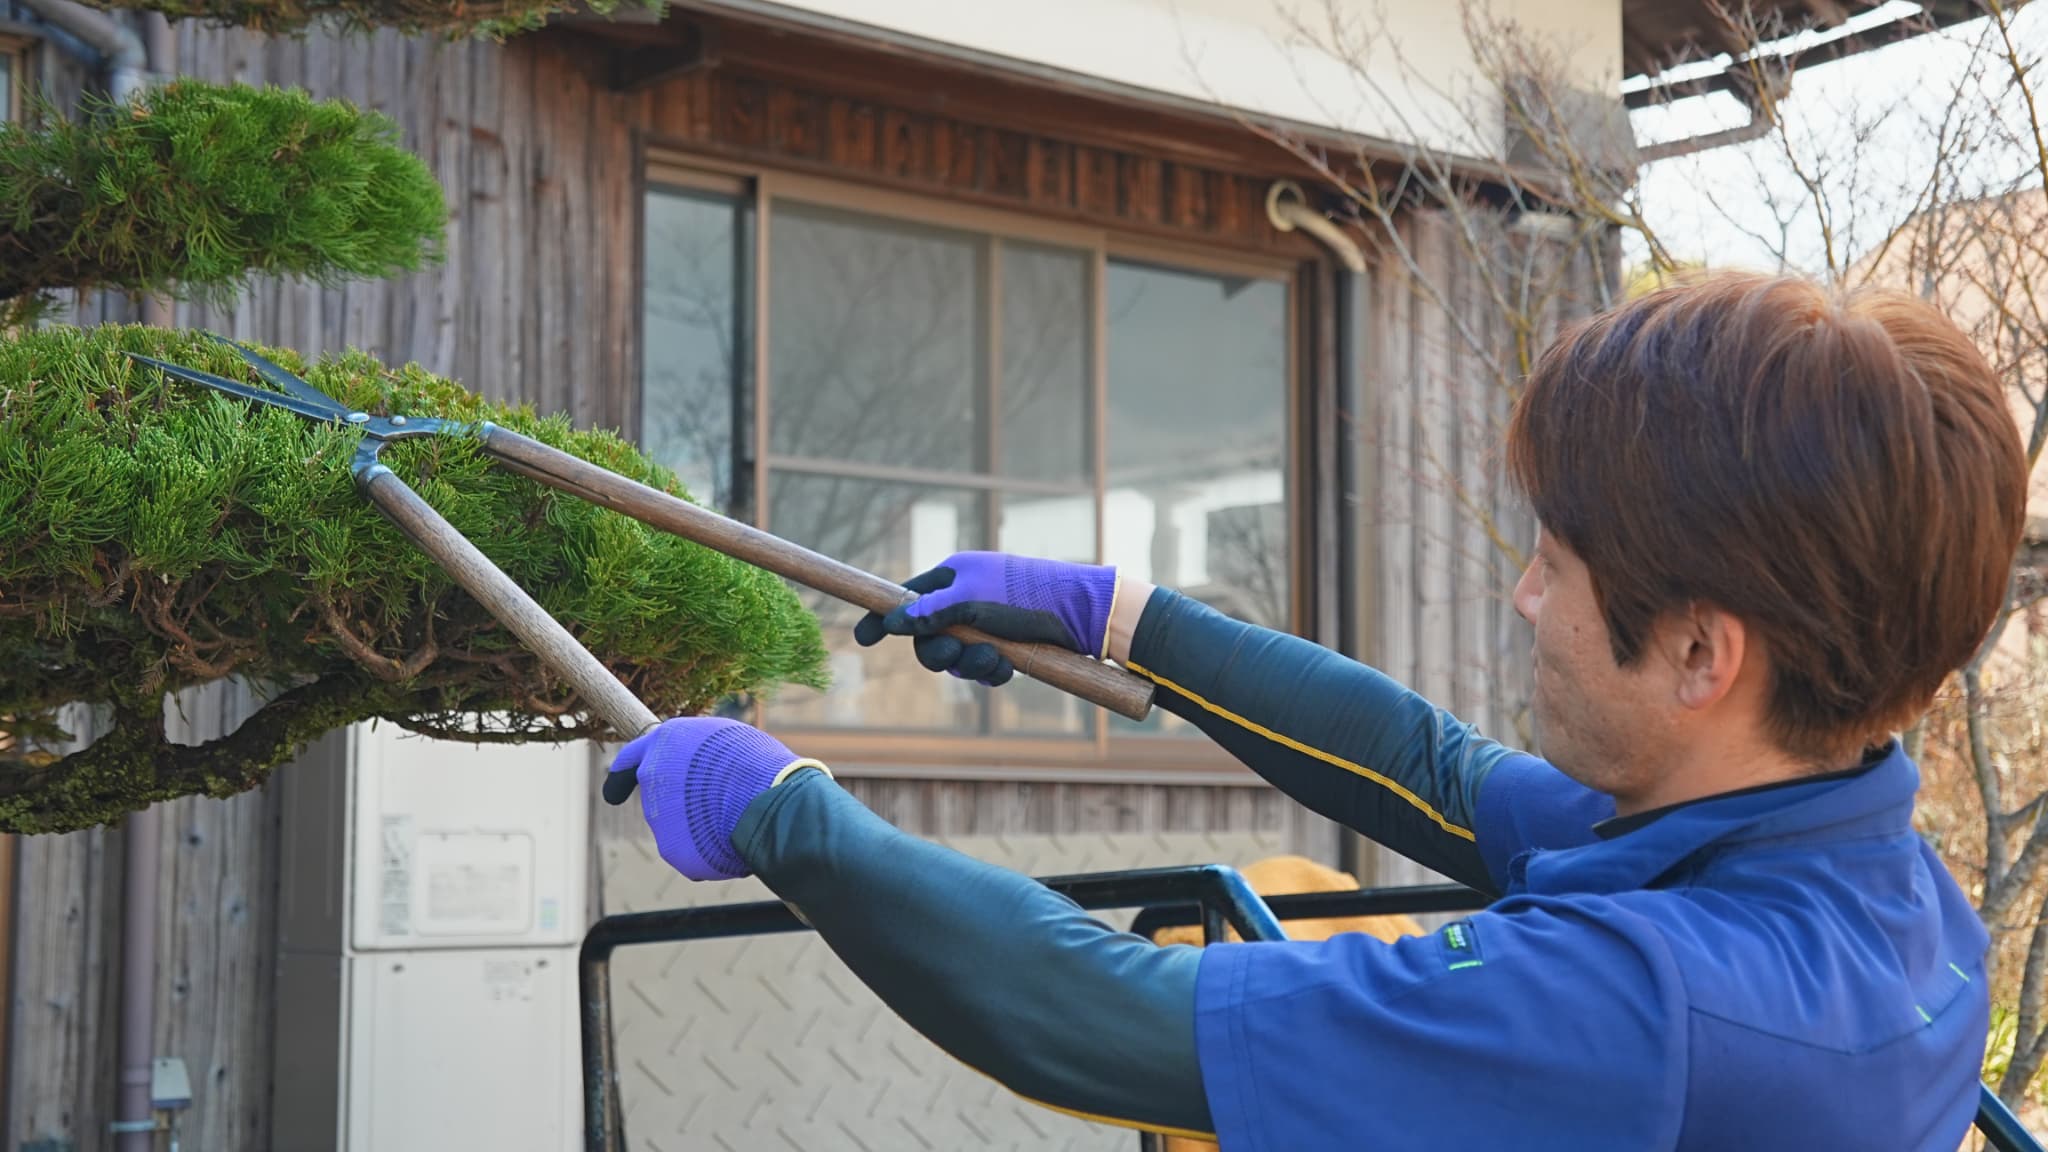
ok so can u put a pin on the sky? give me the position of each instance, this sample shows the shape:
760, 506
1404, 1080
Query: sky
1867, 130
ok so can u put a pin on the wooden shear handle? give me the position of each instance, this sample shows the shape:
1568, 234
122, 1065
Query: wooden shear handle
512, 607
1121, 691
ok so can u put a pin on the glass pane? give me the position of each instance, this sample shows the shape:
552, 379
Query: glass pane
697, 353
877, 340
6, 86
893, 530
1044, 386
1057, 528
1197, 488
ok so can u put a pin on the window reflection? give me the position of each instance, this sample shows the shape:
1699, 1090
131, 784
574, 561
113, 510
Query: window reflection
1046, 314
877, 341
1197, 486
883, 528
695, 352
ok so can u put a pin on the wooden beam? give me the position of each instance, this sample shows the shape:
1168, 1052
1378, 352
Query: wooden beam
1827, 13
1730, 79
638, 65
888, 74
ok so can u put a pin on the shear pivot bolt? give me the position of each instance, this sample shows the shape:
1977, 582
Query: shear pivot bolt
357, 417
398, 419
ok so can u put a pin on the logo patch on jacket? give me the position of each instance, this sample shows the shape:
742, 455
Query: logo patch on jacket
1461, 945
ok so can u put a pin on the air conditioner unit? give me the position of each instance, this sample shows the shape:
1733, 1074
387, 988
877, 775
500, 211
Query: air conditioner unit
433, 896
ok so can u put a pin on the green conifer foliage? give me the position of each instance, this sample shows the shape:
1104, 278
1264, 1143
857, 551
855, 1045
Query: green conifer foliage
191, 189
154, 535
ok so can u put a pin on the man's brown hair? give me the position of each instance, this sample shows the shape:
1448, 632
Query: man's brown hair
1839, 470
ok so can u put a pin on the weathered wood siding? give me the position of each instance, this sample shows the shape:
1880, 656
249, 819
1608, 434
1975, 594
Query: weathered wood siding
215, 938
1445, 533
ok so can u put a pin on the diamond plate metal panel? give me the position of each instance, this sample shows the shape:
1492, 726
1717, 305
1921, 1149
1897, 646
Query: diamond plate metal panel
770, 1043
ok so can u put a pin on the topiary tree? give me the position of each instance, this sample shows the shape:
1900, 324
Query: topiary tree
191, 189
155, 536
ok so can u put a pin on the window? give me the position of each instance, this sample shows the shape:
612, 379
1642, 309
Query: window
697, 347
926, 379
10, 79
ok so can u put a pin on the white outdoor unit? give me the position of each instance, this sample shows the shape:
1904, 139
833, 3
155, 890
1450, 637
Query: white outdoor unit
433, 897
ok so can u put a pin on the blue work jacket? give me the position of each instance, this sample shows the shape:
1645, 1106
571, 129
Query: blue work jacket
1784, 968
1788, 968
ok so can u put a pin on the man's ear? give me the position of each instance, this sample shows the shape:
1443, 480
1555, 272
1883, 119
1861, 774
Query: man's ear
1707, 647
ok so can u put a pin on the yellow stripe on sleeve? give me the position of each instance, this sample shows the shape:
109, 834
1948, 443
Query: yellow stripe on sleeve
1187, 1133
1113, 1121
1388, 783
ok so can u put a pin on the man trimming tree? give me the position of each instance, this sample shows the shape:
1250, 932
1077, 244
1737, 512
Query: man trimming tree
1773, 520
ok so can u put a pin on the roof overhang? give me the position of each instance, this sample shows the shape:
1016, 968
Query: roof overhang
1675, 48
1680, 38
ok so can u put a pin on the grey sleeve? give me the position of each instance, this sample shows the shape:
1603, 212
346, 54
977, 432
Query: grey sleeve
1006, 975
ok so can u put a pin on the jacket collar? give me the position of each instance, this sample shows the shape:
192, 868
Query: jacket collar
1875, 800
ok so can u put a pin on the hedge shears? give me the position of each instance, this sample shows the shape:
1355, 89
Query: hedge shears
1116, 689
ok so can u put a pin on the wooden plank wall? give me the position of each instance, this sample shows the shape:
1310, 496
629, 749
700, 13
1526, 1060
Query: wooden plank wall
1443, 621
215, 927
977, 808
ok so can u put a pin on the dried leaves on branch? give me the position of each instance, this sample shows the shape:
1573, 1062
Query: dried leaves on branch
194, 188
155, 536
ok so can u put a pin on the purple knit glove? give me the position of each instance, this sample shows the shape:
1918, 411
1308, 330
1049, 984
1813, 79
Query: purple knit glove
1012, 597
697, 776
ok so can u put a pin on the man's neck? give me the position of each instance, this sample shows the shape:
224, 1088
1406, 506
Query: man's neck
1625, 822
1701, 777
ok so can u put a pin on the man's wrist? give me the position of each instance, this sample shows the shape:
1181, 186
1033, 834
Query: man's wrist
1124, 614
796, 766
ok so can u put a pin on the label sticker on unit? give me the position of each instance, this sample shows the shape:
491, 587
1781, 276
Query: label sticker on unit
474, 883
394, 897
507, 980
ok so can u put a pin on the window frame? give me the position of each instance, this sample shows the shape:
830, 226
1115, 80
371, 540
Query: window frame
1103, 756
16, 51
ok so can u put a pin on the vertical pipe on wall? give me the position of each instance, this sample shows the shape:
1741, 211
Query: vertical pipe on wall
10, 861
136, 1114
1353, 603
134, 1117
123, 50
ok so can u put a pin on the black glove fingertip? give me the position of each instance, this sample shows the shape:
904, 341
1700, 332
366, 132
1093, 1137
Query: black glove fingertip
979, 662
1003, 672
869, 630
619, 785
931, 580
938, 653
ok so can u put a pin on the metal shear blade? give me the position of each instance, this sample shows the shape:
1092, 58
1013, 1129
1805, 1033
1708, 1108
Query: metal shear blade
321, 408
298, 396
280, 378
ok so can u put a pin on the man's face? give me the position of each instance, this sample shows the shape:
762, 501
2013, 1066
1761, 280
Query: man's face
1603, 725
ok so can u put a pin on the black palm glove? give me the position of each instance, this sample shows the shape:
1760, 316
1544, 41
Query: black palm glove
1010, 597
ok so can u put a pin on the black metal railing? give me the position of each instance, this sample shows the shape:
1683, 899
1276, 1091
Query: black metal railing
1208, 894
